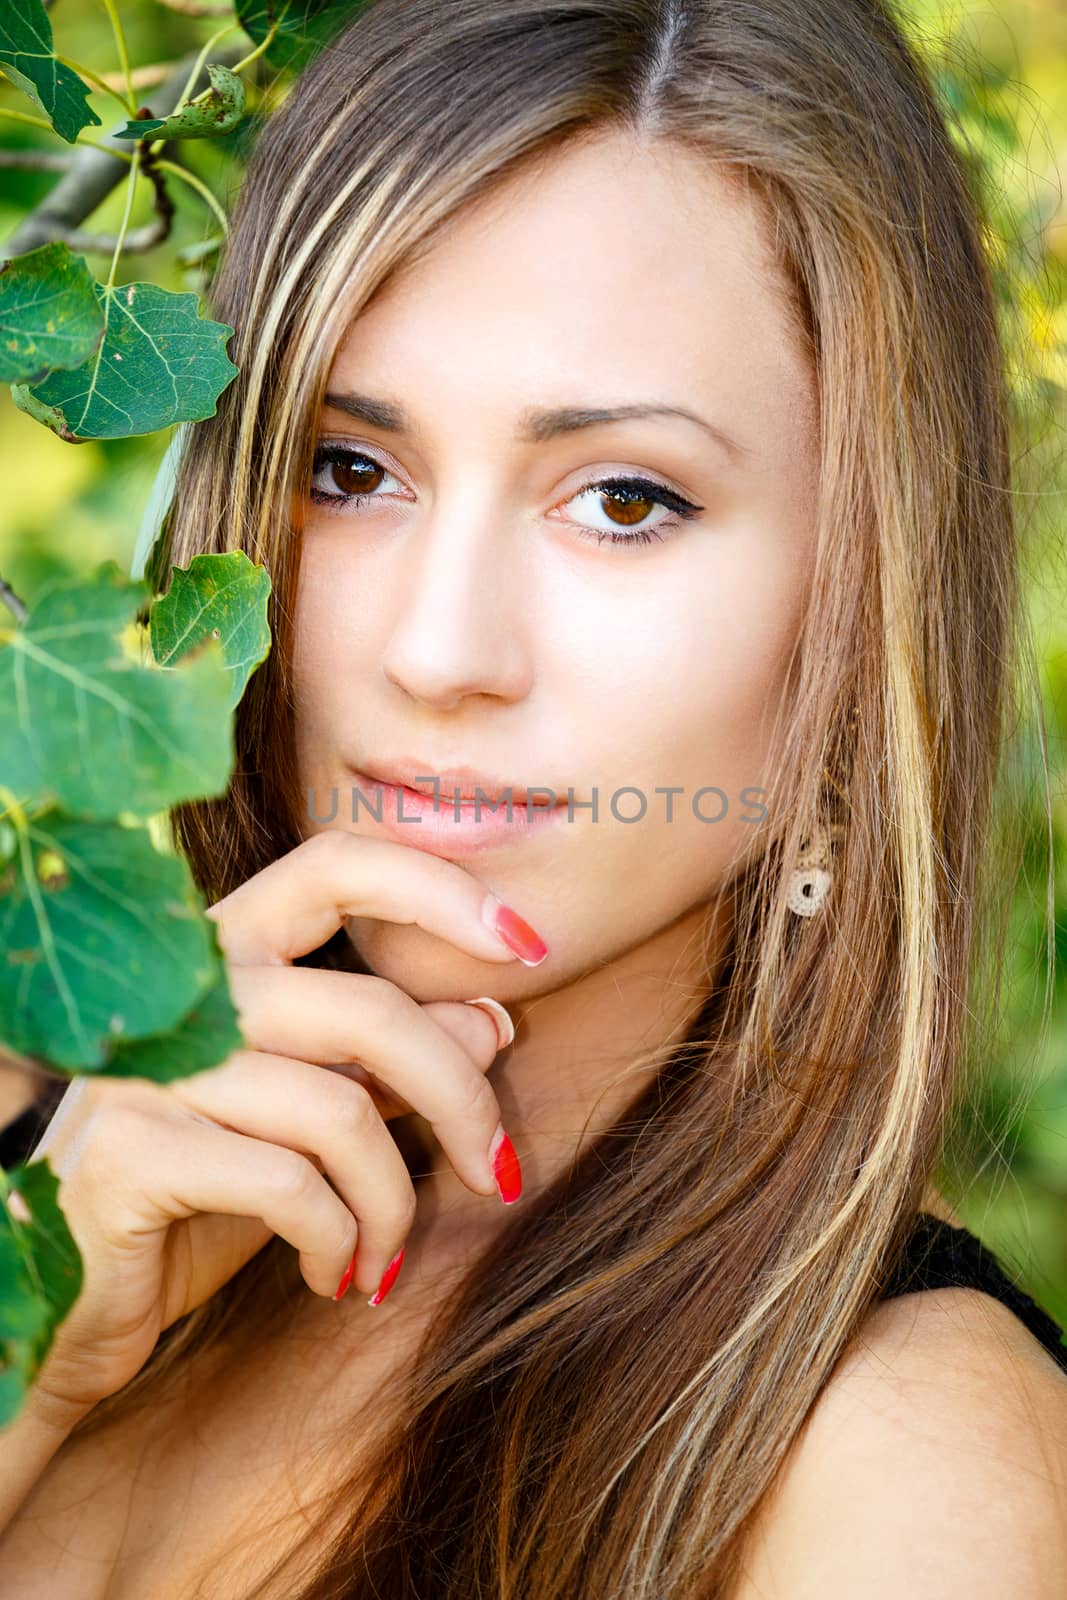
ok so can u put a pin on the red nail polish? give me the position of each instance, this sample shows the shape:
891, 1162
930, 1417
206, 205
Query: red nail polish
505, 1167
342, 1287
516, 934
388, 1279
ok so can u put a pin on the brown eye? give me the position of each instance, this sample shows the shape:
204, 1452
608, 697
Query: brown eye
627, 507
355, 476
626, 502
341, 475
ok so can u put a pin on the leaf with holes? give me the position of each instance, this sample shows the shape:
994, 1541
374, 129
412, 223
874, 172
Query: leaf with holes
222, 597
103, 938
160, 362
100, 731
49, 314
28, 59
218, 110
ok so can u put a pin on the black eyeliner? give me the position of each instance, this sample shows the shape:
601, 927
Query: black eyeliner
330, 453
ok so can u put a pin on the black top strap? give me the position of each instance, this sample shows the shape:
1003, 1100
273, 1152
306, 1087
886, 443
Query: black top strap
938, 1255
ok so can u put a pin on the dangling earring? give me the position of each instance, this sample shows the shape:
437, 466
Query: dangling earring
810, 881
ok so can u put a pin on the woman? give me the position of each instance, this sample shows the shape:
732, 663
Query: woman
621, 414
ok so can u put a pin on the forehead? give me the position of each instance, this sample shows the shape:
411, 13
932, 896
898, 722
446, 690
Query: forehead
606, 265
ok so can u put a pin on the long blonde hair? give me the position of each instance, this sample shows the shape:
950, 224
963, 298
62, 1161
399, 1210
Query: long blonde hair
710, 1257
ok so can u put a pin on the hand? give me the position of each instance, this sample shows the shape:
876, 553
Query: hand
169, 1189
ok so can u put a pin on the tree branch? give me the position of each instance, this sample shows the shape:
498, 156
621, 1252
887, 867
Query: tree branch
137, 240
94, 172
12, 602
36, 160
145, 77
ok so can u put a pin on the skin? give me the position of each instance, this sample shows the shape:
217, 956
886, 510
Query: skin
457, 617
466, 621
460, 615
934, 1462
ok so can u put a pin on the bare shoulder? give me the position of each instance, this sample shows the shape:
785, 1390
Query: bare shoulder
934, 1463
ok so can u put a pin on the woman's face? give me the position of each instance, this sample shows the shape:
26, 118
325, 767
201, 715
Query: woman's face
487, 606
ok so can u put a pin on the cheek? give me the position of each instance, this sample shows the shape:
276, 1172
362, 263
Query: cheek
685, 693
323, 658
333, 630
684, 685
741, 617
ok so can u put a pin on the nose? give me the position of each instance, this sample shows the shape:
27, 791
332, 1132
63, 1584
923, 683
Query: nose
457, 630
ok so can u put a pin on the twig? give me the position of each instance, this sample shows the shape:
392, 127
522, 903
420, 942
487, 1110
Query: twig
145, 77
27, 117
36, 160
136, 242
124, 55
127, 212
93, 77
162, 203
11, 600
94, 172
199, 187
254, 55
200, 63
84, 141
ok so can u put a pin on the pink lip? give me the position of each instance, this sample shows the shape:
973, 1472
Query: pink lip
444, 828
419, 775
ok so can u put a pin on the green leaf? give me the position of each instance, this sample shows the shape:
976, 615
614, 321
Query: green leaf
49, 314
100, 730
41, 1276
204, 1038
102, 940
47, 414
159, 363
216, 111
55, 1257
28, 59
302, 27
220, 597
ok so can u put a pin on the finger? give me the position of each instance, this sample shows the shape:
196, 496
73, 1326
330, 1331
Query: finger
298, 902
333, 1017
459, 1022
162, 1168
302, 1107
309, 1012
306, 1013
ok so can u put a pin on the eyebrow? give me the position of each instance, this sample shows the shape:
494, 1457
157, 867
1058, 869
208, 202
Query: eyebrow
537, 425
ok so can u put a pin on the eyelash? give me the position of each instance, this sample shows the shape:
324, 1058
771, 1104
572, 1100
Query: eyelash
682, 509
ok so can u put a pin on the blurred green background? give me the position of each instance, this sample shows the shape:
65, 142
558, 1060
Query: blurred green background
1003, 70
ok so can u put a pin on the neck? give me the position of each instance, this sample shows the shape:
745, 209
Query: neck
580, 1055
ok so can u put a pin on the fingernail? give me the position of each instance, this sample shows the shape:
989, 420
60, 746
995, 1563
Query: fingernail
519, 937
505, 1165
342, 1287
505, 1028
388, 1279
